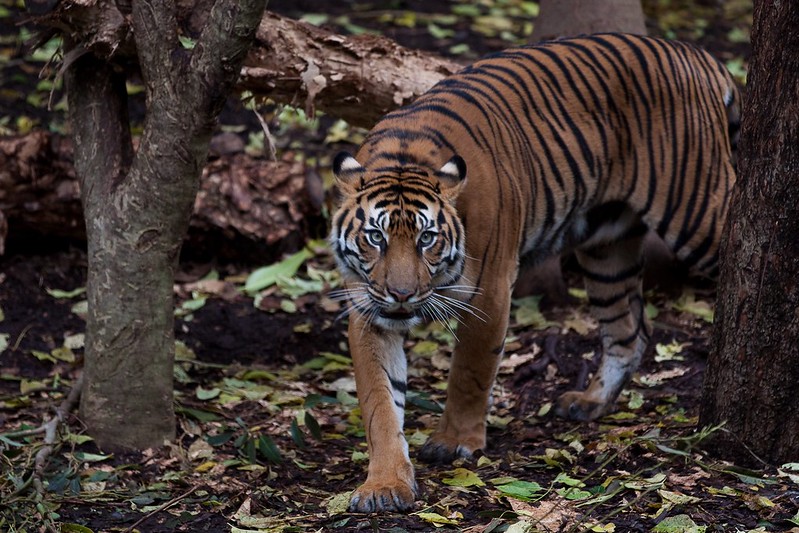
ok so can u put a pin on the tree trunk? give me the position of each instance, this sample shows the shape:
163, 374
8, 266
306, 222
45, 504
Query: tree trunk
137, 207
563, 18
752, 379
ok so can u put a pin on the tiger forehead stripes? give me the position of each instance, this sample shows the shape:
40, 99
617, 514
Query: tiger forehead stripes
582, 144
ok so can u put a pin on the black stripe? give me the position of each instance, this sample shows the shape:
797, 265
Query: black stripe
607, 302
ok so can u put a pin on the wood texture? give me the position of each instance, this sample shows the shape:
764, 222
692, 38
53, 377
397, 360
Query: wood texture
752, 380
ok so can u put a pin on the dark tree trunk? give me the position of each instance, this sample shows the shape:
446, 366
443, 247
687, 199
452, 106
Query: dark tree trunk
137, 207
752, 379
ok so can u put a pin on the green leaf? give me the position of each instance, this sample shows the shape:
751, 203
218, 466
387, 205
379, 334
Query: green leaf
58, 293
207, 394
462, 477
749, 477
198, 414
43, 356
416, 399
315, 19
521, 490
74, 528
220, 439
529, 314
466, 10
672, 451
4, 341
269, 450
338, 504
294, 287
297, 435
85, 457
687, 303
573, 493
564, 478
313, 426
81, 308
189, 306
187, 42
670, 352
636, 400
681, 523
435, 518
438, 32
267, 276
425, 348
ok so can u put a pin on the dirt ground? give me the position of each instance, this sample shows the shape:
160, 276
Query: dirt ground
269, 434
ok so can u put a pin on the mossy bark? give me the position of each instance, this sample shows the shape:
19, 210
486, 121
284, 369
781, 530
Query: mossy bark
137, 207
752, 380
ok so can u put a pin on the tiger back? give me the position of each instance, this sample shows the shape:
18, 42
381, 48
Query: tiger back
581, 144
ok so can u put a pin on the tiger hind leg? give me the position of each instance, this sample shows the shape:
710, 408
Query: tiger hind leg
613, 274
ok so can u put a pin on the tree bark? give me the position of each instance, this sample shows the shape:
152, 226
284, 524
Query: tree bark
563, 18
357, 78
752, 379
137, 207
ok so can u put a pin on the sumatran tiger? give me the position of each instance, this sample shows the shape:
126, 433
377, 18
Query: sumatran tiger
579, 144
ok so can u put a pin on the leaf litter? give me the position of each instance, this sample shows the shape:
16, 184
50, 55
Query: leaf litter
275, 443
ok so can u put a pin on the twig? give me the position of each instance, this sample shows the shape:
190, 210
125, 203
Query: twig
50, 429
163, 507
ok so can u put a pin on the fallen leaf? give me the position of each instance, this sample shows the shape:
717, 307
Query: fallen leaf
681, 523
462, 477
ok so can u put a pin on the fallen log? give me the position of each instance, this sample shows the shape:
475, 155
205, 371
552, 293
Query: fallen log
246, 207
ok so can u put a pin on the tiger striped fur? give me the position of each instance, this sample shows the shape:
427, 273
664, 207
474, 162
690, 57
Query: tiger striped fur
579, 144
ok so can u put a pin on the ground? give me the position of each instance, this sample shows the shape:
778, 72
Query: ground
269, 436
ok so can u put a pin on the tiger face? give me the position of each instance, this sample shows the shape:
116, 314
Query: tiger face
398, 240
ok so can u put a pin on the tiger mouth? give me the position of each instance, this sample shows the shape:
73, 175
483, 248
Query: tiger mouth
398, 314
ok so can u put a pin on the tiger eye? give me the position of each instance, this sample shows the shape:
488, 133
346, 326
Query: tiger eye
375, 237
426, 238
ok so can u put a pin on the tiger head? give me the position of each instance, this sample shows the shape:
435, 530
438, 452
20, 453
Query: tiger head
398, 240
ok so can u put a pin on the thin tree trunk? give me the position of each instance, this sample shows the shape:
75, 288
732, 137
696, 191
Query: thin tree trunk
752, 379
137, 208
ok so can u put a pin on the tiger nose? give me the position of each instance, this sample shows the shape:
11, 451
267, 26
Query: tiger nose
400, 295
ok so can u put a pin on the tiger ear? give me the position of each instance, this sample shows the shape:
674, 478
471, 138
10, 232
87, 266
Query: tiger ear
452, 177
348, 172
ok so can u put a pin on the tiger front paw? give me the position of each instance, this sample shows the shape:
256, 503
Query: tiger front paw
578, 405
380, 496
441, 449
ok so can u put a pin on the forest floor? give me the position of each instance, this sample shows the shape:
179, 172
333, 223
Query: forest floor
269, 436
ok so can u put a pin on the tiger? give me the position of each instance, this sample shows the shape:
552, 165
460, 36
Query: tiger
581, 145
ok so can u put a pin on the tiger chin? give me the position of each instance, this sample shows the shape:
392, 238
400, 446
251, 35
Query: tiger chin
581, 144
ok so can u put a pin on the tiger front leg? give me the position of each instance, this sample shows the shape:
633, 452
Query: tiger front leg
481, 341
613, 283
380, 378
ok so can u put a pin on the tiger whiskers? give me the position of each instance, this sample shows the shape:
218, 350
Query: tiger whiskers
452, 307
462, 289
437, 314
357, 299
